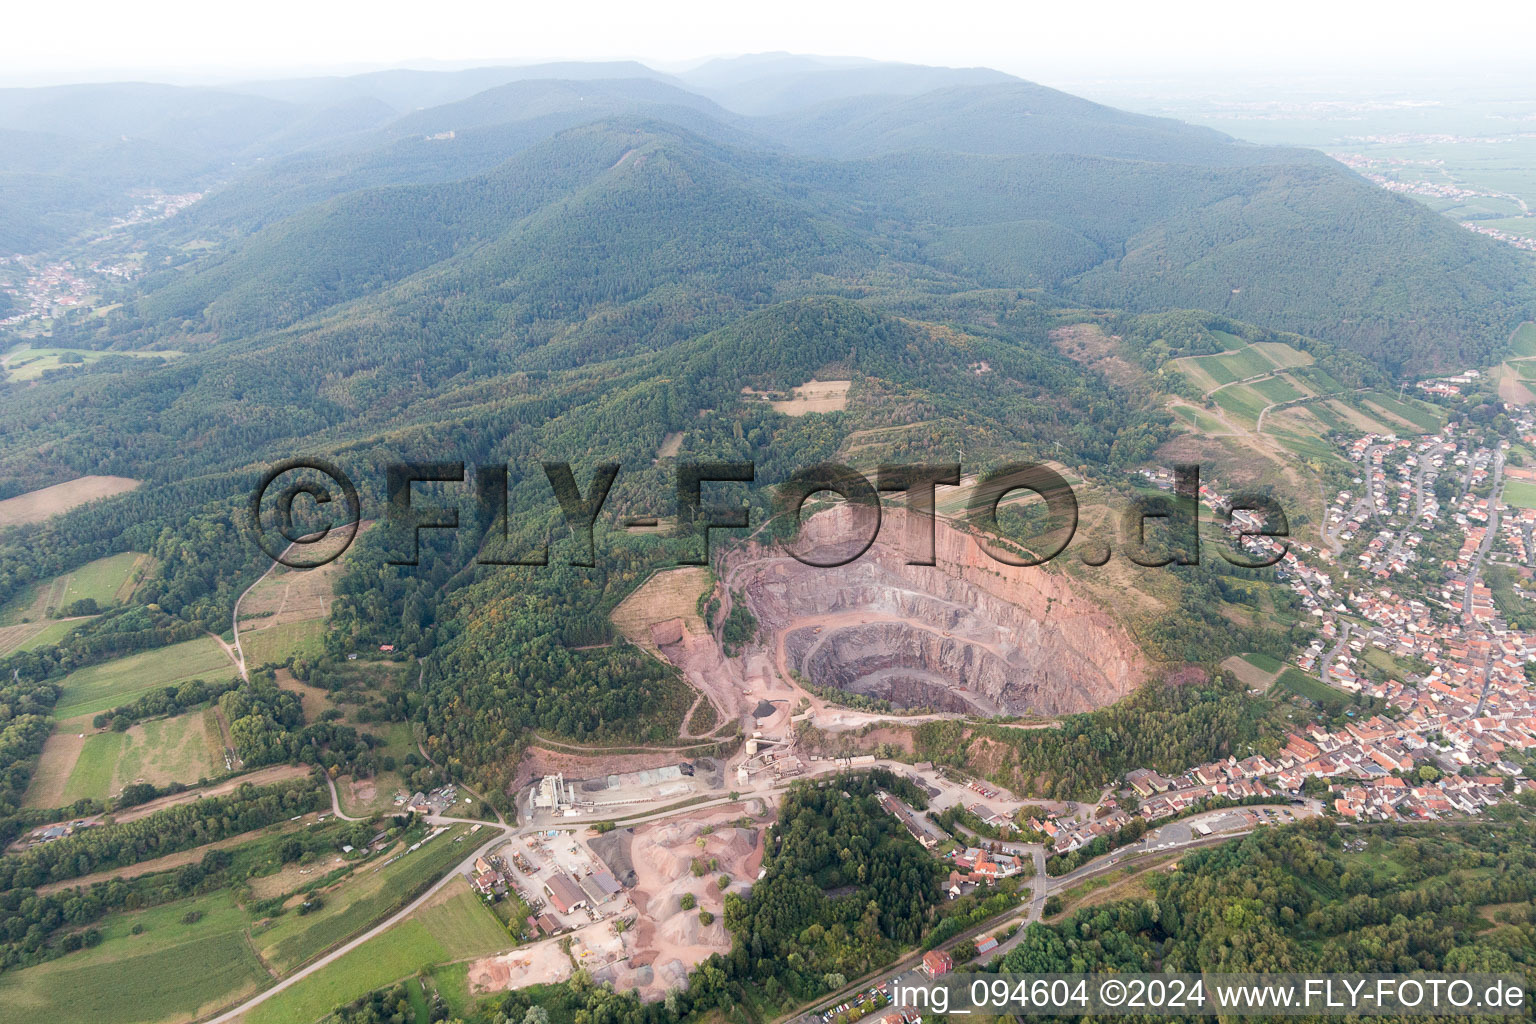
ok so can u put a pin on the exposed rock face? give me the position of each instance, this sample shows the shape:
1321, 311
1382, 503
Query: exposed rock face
968, 634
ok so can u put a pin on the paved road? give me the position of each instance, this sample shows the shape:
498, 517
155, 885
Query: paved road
336, 803
1174, 838
500, 834
1042, 885
1361, 504
1489, 535
1418, 497
1333, 653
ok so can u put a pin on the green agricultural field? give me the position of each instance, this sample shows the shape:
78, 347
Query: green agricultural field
464, 924
107, 581
398, 953
1298, 682
29, 363
1263, 662
369, 895
1428, 418
171, 972
181, 749
95, 768
1520, 494
1200, 375
1209, 368
398, 738
1199, 419
175, 972
1330, 419
1281, 354
33, 635
452, 981
1277, 389
1241, 401
1523, 342
1306, 445
1245, 362
1523, 226
27, 606
276, 644
105, 686
1318, 380
458, 928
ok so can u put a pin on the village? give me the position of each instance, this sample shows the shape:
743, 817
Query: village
1442, 741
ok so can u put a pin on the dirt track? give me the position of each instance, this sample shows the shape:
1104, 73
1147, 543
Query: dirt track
170, 860
260, 777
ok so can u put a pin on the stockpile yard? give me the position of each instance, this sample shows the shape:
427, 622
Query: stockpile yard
665, 863
673, 905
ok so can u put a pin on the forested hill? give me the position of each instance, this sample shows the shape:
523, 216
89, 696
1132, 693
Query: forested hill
504, 201
1005, 118
622, 268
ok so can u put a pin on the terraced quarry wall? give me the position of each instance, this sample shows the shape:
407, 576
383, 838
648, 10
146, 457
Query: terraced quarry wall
967, 634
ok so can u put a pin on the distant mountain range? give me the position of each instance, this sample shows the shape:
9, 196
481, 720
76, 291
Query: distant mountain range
328, 190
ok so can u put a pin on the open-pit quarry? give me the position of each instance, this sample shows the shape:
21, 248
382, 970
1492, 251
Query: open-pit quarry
968, 634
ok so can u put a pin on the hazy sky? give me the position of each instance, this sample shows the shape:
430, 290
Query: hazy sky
1056, 40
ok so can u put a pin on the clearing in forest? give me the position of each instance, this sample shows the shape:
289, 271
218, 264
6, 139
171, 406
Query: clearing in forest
812, 396
667, 596
36, 506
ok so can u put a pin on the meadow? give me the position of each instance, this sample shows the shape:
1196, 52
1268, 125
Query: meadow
1523, 341
193, 956
453, 928
1213, 371
30, 619
29, 636
1287, 375
35, 506
1519, 493
274, 645
1298, 682
171, 972
30, 363
107, 581
102, 687
368, 895
184, 749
